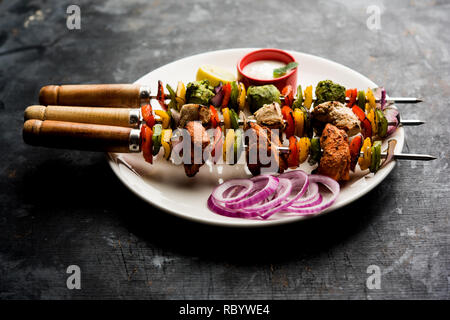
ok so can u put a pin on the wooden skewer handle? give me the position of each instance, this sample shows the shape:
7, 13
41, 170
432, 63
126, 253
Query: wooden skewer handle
122, 117
79, 136
96, 95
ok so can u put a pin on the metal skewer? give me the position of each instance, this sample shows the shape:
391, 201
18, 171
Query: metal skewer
402, 100
86, 136
131, 117
410, 156
409, 122
241, 122
397, 156
403, 122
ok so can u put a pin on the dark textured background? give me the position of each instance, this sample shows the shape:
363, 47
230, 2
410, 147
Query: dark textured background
59, 208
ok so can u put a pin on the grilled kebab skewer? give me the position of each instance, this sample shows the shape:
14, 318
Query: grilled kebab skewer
124, 117
104, 138
121, 95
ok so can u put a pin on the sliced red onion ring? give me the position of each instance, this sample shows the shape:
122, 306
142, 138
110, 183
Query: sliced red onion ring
283, 191
218, 88
312, 192
392, 116
383, 98
300, 182
380, 94
331, 184
260, 192
312, 199
313, 202
390, 152
220, 193
216, 101
262, 196
220, 209
233, 191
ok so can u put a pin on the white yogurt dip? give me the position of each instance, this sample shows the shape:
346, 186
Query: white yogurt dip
262, 69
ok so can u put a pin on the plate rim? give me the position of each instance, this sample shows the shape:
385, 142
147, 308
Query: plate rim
244, 223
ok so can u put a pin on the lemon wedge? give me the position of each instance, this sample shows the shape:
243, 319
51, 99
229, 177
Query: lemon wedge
214, 74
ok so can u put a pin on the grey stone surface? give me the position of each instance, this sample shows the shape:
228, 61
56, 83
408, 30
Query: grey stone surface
65, 207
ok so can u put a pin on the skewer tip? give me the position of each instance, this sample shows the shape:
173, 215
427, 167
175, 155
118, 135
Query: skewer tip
411, 122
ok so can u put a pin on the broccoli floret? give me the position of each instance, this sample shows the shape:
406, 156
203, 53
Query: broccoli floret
199, 92
257, 96
327, 90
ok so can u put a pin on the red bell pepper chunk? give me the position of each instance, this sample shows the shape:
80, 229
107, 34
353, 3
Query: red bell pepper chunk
352, 95
288, 94
289, 117
227, 94
146, 143
147, 115
293, 159
359, 113
365, 123
366, 128
215, 121
355, 147
161, 96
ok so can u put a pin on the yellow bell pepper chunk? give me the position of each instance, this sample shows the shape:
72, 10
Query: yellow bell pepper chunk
373, 122
226, 118
181, 94
371, 99
242, 96
299, 121
303, 145
165, 118
366, 159
308, 97
166, 142
228, 146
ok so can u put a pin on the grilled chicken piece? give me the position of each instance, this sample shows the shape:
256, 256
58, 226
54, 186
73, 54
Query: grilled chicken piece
335, 161
252, 165
199, 139
198, 134
204, 115
188, 112
192, 169
266, 144
269, 115
194, 112
337, 114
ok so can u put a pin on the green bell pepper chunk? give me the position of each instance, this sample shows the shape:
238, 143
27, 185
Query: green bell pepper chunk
173, 100
234, 95
362, 100
378, 149
234, 119
156, 138
382, 123
316, 153
376, 157
308, 129
298, 103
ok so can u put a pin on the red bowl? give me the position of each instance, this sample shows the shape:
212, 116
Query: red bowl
289, 78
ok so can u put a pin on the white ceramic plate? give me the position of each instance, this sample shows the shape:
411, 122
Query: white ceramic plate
166, 186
